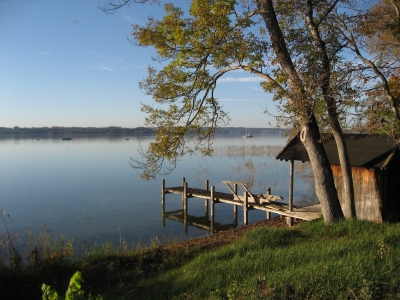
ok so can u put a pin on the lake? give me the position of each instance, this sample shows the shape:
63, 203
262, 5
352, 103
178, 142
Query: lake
87, 188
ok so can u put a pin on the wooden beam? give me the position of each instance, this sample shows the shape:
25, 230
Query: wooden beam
290, 219
206, 200
243, 184
245, 208
185, 204
185, 196
212, 209
234, 205
268, 213
163, 202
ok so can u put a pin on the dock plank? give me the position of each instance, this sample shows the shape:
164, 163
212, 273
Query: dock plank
308, 213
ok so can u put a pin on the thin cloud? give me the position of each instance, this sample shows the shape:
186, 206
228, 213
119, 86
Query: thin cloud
256, 88
95, 53
240, 79
101, 66
129, 19
44, 53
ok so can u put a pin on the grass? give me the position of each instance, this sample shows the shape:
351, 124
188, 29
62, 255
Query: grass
349, 260
317, 262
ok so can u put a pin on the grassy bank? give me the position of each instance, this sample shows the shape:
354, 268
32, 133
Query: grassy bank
349, 260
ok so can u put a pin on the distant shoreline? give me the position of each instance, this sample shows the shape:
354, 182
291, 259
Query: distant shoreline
113, 130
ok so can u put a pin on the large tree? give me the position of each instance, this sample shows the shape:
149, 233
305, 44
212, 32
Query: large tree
292, 45
318, 47
373, 35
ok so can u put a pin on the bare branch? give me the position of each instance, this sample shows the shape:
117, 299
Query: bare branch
111, 6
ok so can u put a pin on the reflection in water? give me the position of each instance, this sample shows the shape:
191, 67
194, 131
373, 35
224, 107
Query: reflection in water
41, 183
204, 223
257, 166
246, 172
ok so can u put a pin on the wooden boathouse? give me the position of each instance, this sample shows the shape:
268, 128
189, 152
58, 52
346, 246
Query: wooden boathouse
375, 162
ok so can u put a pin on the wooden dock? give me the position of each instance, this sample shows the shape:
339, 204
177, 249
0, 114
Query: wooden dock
248, 201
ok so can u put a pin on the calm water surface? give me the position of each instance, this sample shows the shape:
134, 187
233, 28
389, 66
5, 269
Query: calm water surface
86, 187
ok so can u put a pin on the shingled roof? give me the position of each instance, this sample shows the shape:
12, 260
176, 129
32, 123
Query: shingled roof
369, 151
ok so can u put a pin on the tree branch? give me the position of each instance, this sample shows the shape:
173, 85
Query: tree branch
112, 6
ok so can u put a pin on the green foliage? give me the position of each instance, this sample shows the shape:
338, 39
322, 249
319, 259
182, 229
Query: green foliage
376, 113
49, 293
74, 291
383, 249
214, 35
308, 74
383, 29
234, 291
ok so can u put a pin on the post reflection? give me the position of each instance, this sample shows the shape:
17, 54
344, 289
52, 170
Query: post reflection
206, 222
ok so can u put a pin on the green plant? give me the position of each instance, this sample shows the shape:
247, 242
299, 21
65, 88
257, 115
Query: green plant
14, 255
383, 249
74, 291
238, 290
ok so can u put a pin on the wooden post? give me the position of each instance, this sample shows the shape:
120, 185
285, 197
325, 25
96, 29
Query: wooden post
163, 202
245, 211
290, 219
268, 213
212, 209
184, 196
183, 187
185, 204
235, 206
206, 200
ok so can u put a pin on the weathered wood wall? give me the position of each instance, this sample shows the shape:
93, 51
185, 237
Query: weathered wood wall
368, 189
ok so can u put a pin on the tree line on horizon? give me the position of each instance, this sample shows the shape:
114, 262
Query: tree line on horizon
116, 130
76, 130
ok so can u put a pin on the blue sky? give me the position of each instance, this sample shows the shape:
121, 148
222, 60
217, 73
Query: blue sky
66, 63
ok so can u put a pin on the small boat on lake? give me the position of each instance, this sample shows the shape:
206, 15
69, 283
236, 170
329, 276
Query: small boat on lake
66, 139
247, 135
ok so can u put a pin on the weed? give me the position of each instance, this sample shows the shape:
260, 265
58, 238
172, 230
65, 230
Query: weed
383, 249
74, 291
14, 256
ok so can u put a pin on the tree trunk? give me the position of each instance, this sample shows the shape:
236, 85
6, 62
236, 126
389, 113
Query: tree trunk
347, 203
310, 136
324, 184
